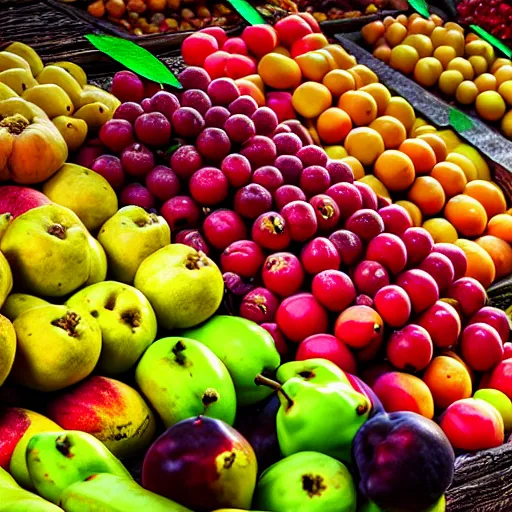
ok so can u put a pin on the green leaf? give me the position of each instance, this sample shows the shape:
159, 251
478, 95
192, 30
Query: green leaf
460, 121
492, 40
248, 12
420, 6
134, 58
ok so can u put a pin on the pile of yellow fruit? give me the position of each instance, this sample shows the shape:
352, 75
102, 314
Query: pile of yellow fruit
464, 68
60, 90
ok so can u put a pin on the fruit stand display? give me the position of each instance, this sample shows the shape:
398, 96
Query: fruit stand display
281, 287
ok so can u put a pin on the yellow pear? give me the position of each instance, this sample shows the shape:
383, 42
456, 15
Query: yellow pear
59, 76
83, 191
5, 279
73, 130
28, 54
18, 303
51, 98
94, 114
7, 347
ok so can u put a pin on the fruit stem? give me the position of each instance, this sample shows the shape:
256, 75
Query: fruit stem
261, 380
15, 124
57, 230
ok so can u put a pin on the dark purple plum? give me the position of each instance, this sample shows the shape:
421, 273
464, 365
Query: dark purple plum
404, 459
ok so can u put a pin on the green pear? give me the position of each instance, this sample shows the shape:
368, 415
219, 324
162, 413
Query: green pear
321, 417
313, 370
18, 303
57, 347
5, 220
15, 499
129, 237
306, 482
56, 460
48, 250
183, 378
111, 493
98, 272
245, 348
7, 347
5, 279
184, 286
83, 191
126, 319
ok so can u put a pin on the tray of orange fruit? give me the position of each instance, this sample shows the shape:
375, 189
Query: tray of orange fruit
455, 65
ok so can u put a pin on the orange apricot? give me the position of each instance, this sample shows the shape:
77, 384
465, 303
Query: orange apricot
488, 195
428, 194
333, 125
421, 154
451, 176
395, 170
391, 129
500, 253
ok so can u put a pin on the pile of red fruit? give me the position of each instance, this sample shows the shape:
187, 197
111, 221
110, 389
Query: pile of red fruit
316, 258
495, 16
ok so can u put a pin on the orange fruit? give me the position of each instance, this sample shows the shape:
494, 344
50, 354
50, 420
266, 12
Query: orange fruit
382, 52
427, 71
421, 26
404, 58
402, 110
503, 73
428, 194
449, 81
438, 37
279, 71
360, 106
373, 31
451, 176
395, 34
448, 381
421, 43
500, 253
376, 185
505, 90
498, 63
506, 125
441, 230
488, 195
486, 82
437, 144
391, 129
403, 19
444, 54
366, 75
421, 154
479, 64
450, 25
355, 165
388, 20
466, 92
339, 81
466, 214
464, 66
438, 21
490, 105
413, 211
455, 39
467, 166
310, 99
342, 58
423, 130
395, 170
380, 93
365, 144
480, 264
333, 125
501, 226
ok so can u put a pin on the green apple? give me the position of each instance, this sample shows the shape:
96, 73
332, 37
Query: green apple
85, 192
245, 348
17, 303
500, 401
184, 286
48, 250
5, 279
98, 271
57, 347
126, 319
306, 481
129, 237
183, 378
